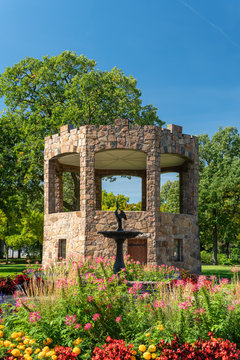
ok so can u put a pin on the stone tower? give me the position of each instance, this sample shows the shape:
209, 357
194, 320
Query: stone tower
94, 152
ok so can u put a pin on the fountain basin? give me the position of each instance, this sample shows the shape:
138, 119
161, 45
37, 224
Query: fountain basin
120, 234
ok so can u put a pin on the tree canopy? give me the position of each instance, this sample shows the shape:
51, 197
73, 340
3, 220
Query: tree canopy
42, 95
219, 189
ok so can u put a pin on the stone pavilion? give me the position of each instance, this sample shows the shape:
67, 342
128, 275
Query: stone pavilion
94, 152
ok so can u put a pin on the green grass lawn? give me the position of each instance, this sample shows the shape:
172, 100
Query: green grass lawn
15, 266
222, 271
11, 269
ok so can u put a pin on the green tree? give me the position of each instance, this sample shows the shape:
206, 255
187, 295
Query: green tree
42, 95
219, 189
169, 197
109, 202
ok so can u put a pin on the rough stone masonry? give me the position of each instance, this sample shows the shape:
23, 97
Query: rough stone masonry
144, 151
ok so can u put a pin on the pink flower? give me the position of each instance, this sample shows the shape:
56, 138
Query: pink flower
199, 311
77, 326
158, 304
184, 305
89, 299
235, 269
109, 306
231, 308
70, 320
118, 319
213, 277
96, 316
34, 316
224, 281
87, 326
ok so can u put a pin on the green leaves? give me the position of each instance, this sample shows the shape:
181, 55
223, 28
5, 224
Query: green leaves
219, 188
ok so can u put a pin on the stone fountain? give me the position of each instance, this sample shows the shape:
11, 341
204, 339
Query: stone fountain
119, 236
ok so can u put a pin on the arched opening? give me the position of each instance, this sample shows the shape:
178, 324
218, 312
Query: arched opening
64, 183
127, 190
123, 173
170, 193
175, 181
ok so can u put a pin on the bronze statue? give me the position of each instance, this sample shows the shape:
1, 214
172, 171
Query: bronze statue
119, 217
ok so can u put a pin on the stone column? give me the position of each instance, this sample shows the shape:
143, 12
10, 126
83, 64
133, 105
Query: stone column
55, 189
143, 192
153, 171
98, 191
189, 186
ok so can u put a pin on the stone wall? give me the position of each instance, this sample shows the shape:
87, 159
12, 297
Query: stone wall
80, 228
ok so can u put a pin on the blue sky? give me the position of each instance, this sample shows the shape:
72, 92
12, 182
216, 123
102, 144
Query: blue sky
185, 54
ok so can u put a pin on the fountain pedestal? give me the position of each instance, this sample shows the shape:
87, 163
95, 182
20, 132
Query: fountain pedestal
119, 236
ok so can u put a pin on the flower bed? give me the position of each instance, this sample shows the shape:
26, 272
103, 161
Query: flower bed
86, 303
10, 284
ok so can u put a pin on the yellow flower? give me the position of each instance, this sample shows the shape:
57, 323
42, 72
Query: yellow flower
152, 348
77, 341
21, 347
148, 334
37, 351
133, 358
27, 357
21, 333
48, 341
54, 357
50, 353
154, 356
15, 352
134, 352
32, 341
41, 355
1, 333
76, 350
29, 350
160, 327
45, 349
147, 355
18, 339
26, 341
1, 342
7, 343
142, 348
1, 327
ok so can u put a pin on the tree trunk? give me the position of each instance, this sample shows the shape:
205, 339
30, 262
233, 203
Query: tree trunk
1, 249
228, 250
215, 239
19, 254
7, 255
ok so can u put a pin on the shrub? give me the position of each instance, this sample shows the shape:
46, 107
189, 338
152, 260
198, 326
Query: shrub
114, 349
9, 285
200, 350
206, 257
